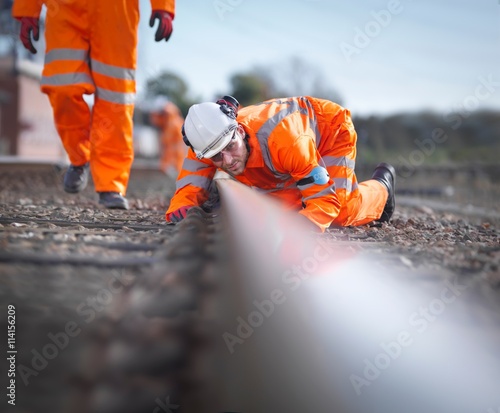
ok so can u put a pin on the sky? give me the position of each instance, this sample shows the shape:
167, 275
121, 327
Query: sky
382, 57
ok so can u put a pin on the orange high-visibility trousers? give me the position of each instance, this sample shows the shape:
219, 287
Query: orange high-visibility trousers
360, 203
91, 48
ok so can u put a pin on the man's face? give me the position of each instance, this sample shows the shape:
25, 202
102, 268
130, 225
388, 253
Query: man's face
233, 158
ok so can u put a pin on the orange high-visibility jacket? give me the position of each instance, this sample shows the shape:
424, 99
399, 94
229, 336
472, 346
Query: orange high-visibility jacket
172, 147
288, 138
91, 49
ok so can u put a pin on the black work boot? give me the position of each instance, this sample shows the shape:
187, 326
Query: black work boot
113, 200
76, 178
386, 175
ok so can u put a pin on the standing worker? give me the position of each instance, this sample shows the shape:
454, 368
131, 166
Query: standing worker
167, 117
92, 49
301, 150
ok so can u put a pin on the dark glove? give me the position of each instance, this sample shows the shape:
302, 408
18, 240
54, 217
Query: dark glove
165, 27
29, 25
179, 214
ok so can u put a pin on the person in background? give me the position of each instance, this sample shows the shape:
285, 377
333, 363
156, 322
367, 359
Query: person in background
92, 49
301, 150
167, 117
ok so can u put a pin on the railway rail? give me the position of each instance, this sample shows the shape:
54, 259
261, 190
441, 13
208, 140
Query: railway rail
119, 311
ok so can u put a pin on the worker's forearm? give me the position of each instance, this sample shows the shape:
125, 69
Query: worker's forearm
27, 8
167, 5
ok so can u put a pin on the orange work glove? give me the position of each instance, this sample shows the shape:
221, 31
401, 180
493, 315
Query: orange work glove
179, 214
165, 26
29, 25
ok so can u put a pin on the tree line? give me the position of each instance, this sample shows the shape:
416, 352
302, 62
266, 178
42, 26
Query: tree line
453, 137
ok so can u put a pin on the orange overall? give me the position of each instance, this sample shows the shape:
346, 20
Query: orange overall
173, 150
91, 49
288, 139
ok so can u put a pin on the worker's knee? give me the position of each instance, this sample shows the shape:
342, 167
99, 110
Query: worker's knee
68, 104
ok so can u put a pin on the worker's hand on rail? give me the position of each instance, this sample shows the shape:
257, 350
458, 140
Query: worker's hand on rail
179, 214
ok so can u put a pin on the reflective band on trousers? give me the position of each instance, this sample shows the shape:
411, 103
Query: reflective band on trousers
112, 71
66, 54
115, 97
97, 66
66, 79
75, 78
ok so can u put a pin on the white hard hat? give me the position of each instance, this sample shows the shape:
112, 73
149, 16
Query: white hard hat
208, 129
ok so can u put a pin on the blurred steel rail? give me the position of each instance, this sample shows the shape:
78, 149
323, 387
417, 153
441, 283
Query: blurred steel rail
210, 323
76, 260
152, 348
67, 223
